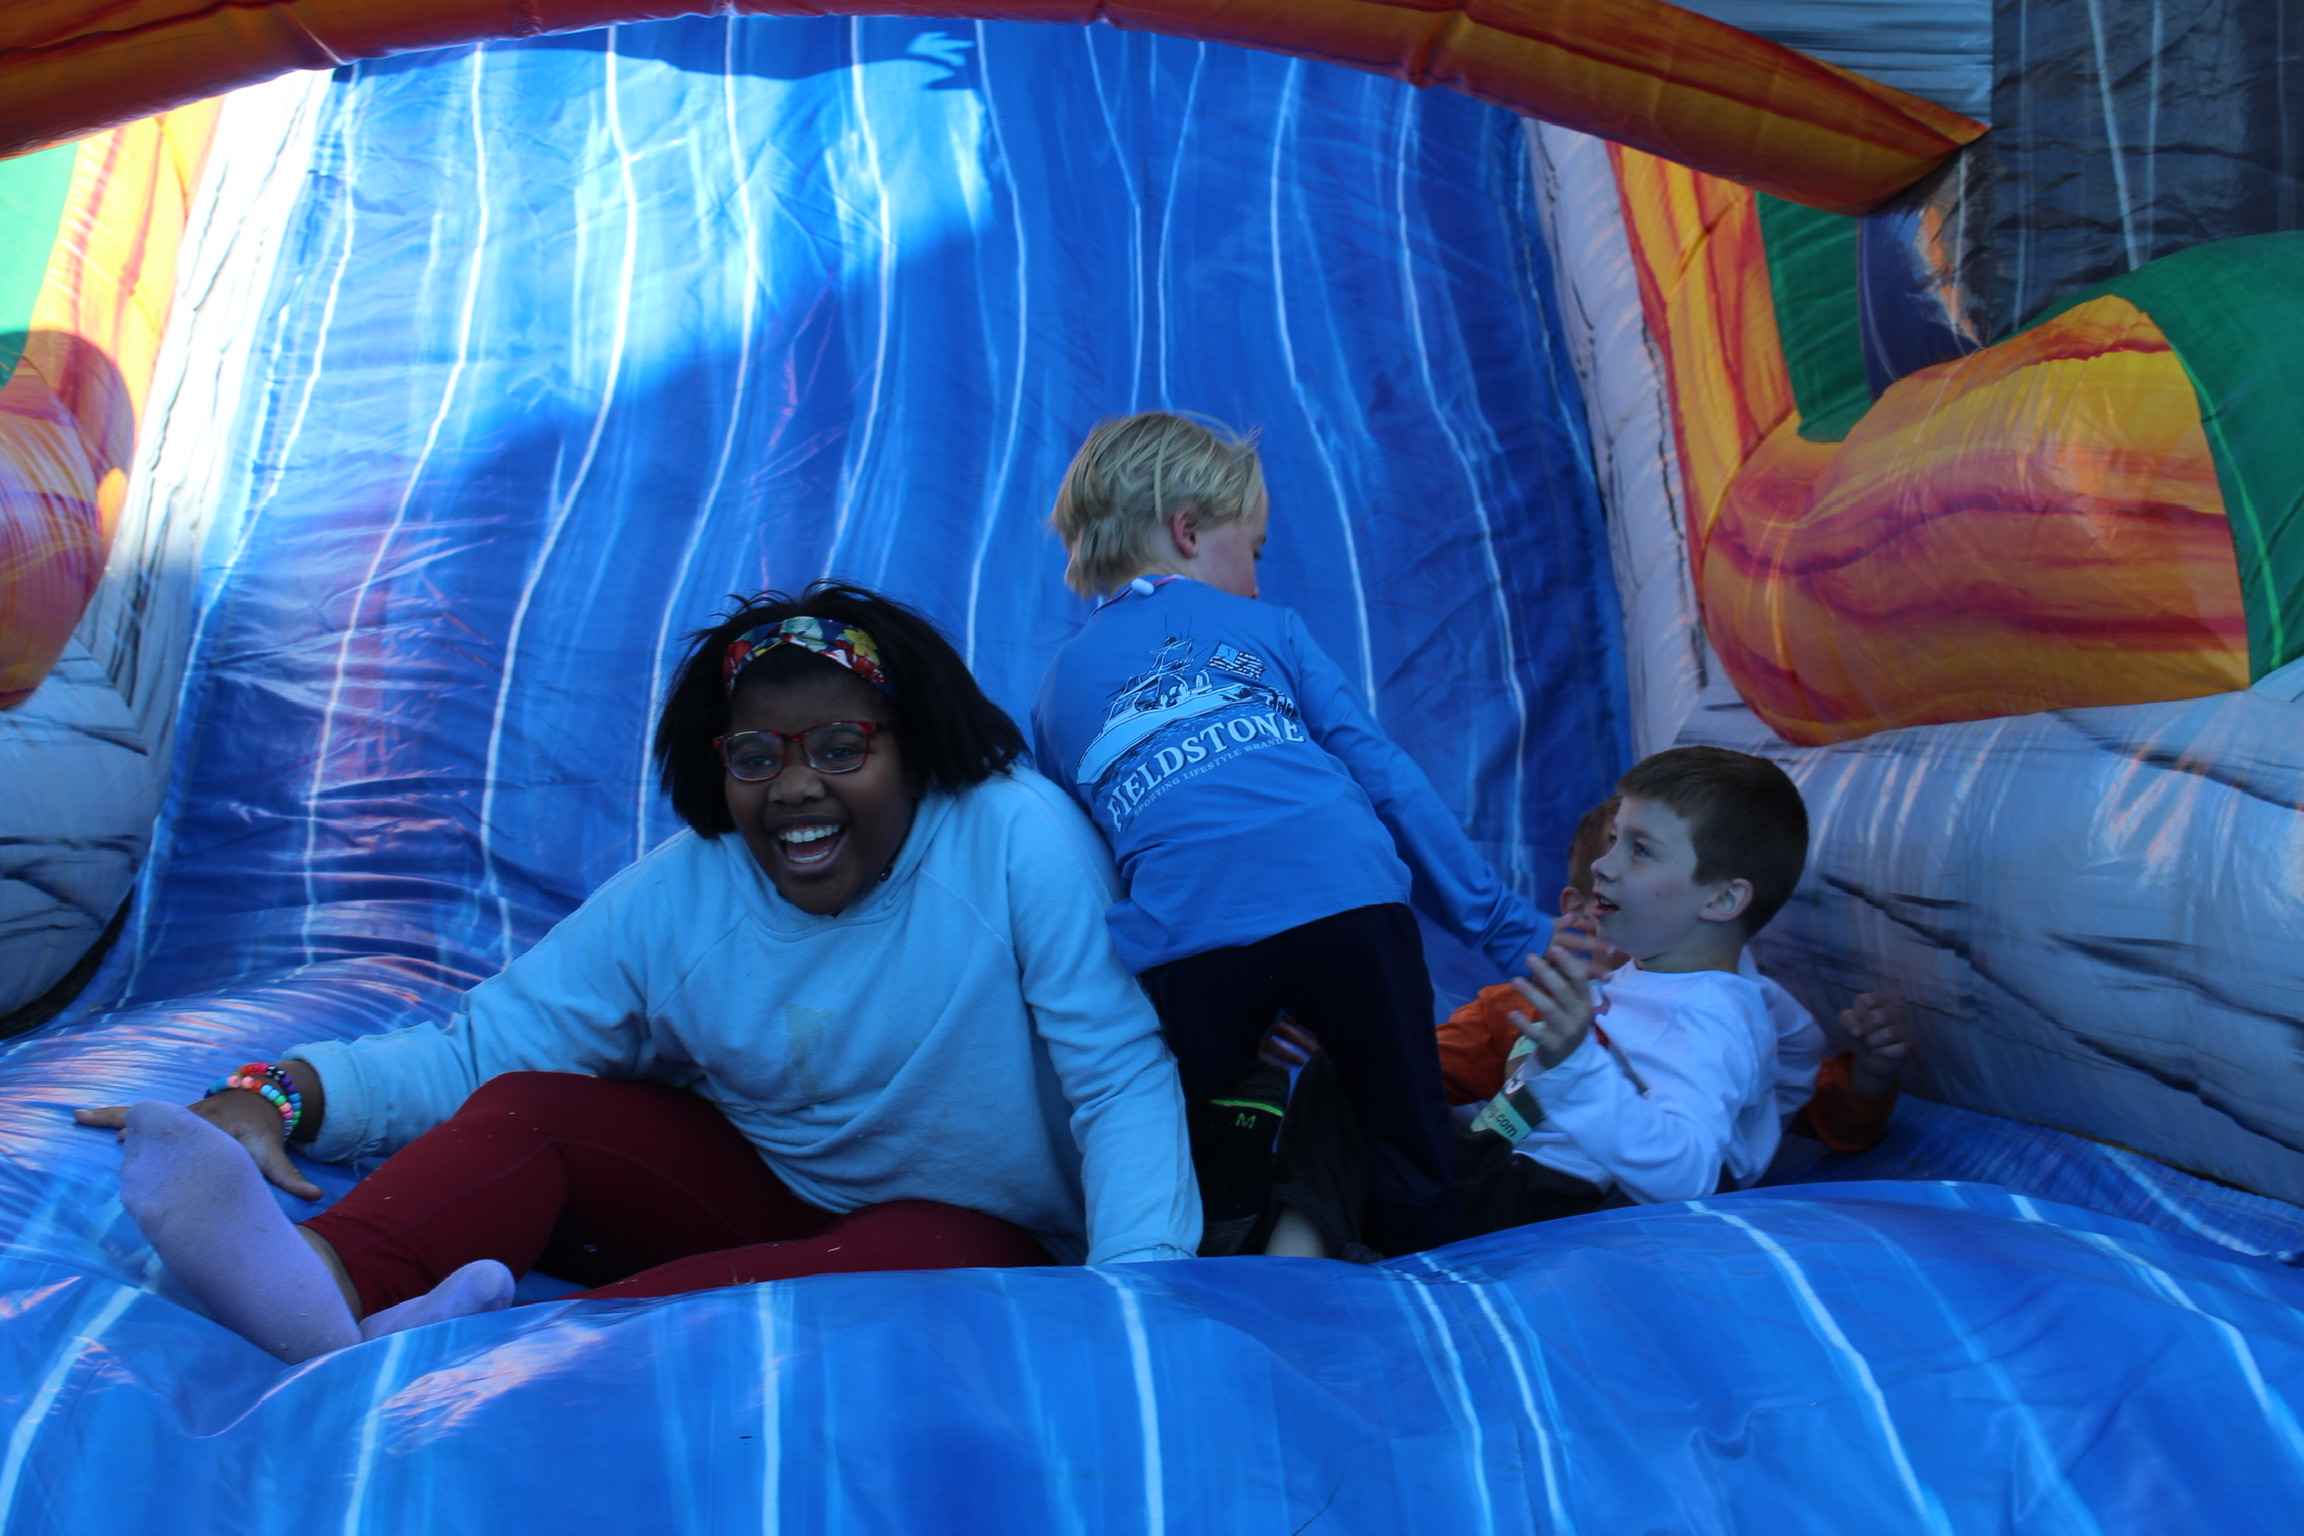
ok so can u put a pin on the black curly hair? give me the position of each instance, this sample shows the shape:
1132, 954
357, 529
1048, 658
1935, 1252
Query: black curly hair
953, 735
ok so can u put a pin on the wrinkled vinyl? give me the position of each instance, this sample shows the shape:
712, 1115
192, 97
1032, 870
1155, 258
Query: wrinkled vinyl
1883, 1357
557, 345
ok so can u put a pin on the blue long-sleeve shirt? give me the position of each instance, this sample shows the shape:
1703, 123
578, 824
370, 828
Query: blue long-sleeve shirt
1244, 788
962, 1033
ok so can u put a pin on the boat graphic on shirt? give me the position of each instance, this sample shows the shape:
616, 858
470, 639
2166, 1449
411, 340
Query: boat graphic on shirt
1184, 708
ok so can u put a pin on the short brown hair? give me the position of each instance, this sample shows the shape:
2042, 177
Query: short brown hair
1591, 841
1744, 815
1130, 475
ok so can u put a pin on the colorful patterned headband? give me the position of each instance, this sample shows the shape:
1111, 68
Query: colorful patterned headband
845, 645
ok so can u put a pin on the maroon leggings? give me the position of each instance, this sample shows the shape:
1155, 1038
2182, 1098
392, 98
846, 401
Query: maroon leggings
630, 1188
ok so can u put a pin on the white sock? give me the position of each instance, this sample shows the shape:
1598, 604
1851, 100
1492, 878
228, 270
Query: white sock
480, 1286
202, 1202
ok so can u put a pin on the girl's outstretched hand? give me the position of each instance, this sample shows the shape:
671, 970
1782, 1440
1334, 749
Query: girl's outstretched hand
246, 1118
1558, 993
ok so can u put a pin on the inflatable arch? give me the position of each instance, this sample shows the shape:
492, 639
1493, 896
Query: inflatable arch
1638, 72
1641, 72
370, 432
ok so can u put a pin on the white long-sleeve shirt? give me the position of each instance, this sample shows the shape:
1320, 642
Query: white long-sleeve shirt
962, 1033
1704, 1044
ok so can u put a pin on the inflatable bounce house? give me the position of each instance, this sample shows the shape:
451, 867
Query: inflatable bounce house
1911, 391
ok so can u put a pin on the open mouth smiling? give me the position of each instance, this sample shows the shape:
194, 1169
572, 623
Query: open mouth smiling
808, 846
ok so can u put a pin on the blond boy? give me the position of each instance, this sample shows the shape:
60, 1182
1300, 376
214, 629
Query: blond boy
1269, 834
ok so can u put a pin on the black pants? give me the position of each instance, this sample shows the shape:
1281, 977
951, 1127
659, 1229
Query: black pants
1357, 983
1501, 1189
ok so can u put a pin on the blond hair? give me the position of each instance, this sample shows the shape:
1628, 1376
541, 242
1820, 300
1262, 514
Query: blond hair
1131, 475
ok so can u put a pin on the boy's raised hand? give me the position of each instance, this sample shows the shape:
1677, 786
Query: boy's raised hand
1558, 992
1875, 1028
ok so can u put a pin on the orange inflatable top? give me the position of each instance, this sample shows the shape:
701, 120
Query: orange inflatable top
1643, 73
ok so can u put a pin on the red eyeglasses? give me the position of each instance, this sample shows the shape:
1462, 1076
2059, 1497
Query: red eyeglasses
835, 746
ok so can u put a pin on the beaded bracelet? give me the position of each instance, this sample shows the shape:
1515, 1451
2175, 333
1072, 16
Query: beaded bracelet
274, 1086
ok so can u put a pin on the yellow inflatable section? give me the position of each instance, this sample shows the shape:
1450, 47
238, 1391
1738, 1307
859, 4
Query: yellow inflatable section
79, 334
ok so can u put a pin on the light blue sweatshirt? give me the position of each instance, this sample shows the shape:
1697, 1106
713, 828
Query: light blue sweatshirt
1245, 789
962, 1033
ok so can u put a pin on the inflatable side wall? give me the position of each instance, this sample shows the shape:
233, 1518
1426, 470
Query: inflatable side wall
2092, 895
110, 458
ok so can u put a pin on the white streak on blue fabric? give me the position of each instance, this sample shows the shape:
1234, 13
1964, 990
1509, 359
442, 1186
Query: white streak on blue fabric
771, 1412
1555, 1506
1147, 1403
399, 518
1288, 94
1168, 215
755, 279
565, 504
143, 908
859, 465
1088, 36
2112, 134
78, 1345
387, 1375
998, 498
1477, 1453
1827, 1330
1516, 836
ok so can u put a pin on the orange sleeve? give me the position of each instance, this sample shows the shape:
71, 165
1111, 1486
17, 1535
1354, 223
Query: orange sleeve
1474, 1043
1842, 1118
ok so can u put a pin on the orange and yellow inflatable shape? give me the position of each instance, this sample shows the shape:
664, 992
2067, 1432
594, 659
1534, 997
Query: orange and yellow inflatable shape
81, 320
2047, 523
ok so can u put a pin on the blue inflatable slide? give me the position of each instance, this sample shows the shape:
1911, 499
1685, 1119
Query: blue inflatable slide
493, 370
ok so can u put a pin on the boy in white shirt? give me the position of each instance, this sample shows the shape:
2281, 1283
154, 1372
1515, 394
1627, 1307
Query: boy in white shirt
1677, 1085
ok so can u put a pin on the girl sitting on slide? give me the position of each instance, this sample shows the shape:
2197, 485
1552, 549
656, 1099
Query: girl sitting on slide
737, 1060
